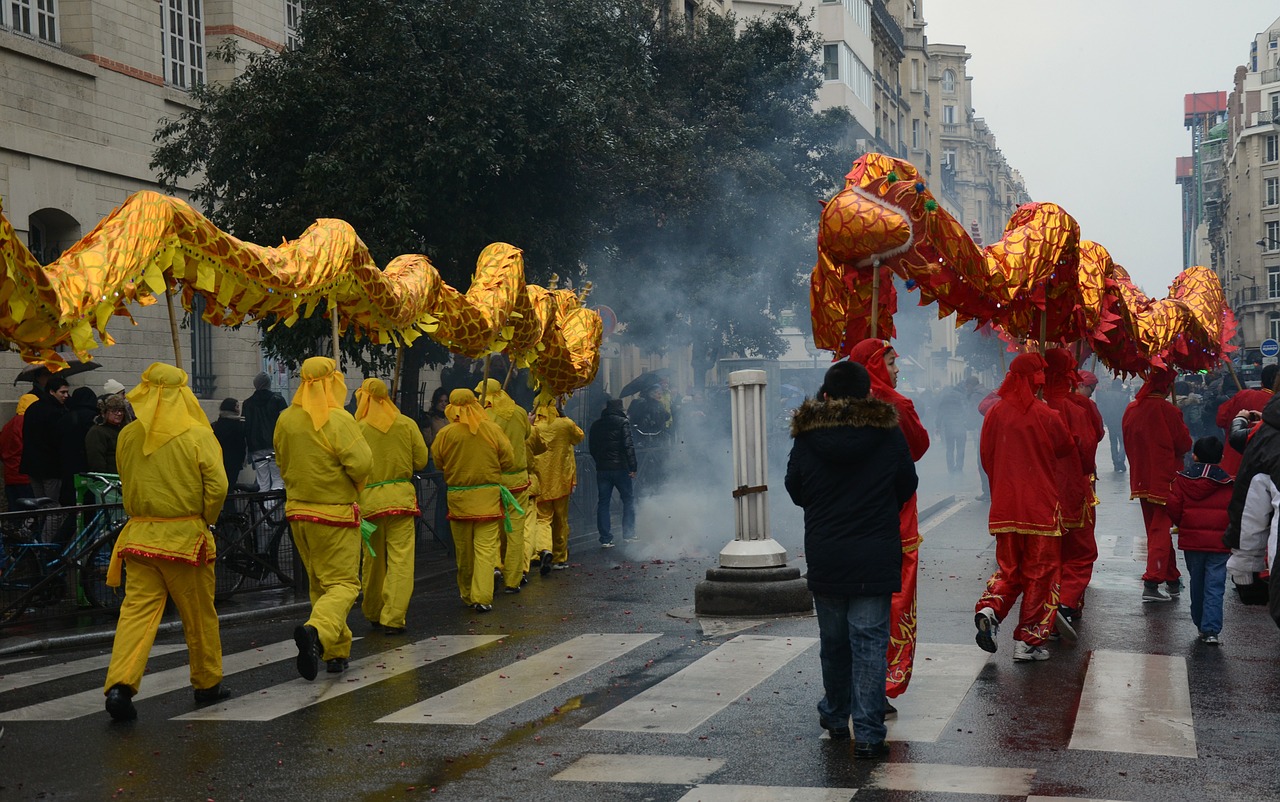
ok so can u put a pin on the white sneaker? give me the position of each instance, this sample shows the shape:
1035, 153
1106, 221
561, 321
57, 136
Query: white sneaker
988, 627
1026, 653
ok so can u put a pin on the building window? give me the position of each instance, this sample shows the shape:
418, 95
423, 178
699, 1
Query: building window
1273, 282
915, 134
1275, 105
38, 18
1274, 321
1273, 147
839, 63
860, 10
949, 115
948, 81
915, 75
949, 158
292, 15
1273, 236
182, 27
1273, 191
831, 62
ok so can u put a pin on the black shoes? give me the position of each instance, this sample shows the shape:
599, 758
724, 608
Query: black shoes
393, 630
889, 710
837, 733
207, 696
336, 666
120, 703
870, 751
482, 608
308, 642
510, 591
545, 564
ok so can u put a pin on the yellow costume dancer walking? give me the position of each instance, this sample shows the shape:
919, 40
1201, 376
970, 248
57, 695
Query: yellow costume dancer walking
174, 486
473, 454
513, 420
557, 474
389, 502
324, 463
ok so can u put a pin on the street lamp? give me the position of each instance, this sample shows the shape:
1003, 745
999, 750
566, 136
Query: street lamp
1265, 241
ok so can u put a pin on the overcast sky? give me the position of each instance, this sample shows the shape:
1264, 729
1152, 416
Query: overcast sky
1085, 100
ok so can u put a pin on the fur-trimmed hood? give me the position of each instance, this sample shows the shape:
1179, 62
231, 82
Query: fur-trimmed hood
815, 414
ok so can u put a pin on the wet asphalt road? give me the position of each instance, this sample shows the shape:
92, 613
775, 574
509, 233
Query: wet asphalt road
1009, 719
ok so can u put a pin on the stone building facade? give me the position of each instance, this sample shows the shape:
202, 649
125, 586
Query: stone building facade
85, 84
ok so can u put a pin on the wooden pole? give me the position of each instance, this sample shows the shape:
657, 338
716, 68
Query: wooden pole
875, 299
511, 368
484, 383
395, 377
1044, 330
333, 316
1232, 370
173, 328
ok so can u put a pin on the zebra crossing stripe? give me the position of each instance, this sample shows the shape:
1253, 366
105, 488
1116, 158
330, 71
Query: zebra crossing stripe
280, 700
35, 676
65, 708
940, 778
942, 675
1136, 703
649, 769
698, 691
519, 682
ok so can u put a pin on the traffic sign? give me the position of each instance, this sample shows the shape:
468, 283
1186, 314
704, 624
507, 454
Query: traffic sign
609, 319
1269, 347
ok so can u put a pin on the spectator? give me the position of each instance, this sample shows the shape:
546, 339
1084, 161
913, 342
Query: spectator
230, 429
1250, 398
82, 411
953, 420
261, 410
1112, 401
648, 414
609, 442
851, 471
100, 442
41, 427
1198, 505
16, 483
436, 419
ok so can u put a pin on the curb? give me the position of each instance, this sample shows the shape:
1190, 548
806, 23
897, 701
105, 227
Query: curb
935, 508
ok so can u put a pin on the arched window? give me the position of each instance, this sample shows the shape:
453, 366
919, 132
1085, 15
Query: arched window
948, 81
49, 233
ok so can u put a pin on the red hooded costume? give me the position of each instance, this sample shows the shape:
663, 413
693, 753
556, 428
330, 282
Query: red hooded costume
1155, 439
1249, 398
870, 353
1022, 440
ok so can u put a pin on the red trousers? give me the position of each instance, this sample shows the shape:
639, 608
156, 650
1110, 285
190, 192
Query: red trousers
1028, 566
1162, 564
902, 626
1079, 553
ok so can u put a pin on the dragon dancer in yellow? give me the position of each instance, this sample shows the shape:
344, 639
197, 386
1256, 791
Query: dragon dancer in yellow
513, 420
474, 455
557, 474
174, 487
324, 462
390, 502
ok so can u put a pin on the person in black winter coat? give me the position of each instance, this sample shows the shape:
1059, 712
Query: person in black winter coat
260, 413
851, 471
82, 409
229, 428
41, 429
609, 442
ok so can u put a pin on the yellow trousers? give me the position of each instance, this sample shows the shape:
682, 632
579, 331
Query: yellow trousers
553, 528
331, 555
476, 545
150, 583
515, 561
387, 578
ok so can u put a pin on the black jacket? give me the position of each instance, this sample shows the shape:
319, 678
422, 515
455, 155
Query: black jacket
260, 412
41, 438
610, 442
1261, 455
851, 471
230, 431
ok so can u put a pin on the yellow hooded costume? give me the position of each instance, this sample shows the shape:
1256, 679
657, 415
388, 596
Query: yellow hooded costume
324, 462
473, 454
174, 487
390, 501
557, 471
517, 543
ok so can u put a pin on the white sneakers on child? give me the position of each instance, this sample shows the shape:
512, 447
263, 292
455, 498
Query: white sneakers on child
1026, 653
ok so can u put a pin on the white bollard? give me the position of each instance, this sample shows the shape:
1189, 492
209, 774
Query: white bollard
752, 547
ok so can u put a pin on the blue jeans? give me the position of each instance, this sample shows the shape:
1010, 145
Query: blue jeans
853, 634
1208, 573
606, 481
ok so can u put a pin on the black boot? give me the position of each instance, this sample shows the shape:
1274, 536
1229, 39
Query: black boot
120, 703
207, 696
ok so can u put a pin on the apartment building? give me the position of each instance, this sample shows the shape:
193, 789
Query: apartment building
85, 85
1231, 195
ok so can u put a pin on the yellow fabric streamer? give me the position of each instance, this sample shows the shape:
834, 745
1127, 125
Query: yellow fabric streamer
322, 389
165, 406
374, 405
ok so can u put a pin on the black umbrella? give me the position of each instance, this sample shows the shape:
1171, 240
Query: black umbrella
643, 382
32, 372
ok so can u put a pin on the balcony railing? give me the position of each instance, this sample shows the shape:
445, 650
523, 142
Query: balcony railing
1270, 76
1263, 118
881, 15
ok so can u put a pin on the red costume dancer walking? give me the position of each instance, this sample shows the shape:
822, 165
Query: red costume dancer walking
1075, 486
880, 360
1250, 398
1022, 439
1155, 439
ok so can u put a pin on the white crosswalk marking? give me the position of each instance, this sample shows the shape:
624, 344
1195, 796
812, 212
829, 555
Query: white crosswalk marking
941, 676
699, 691
933, 777
35, 676
82, 704
766, 793
280, 700
655, 769
1136, 703
519, 682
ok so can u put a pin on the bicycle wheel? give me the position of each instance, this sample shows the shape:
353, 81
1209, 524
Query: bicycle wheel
281, 552
17, 580
231, 537
93, 571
